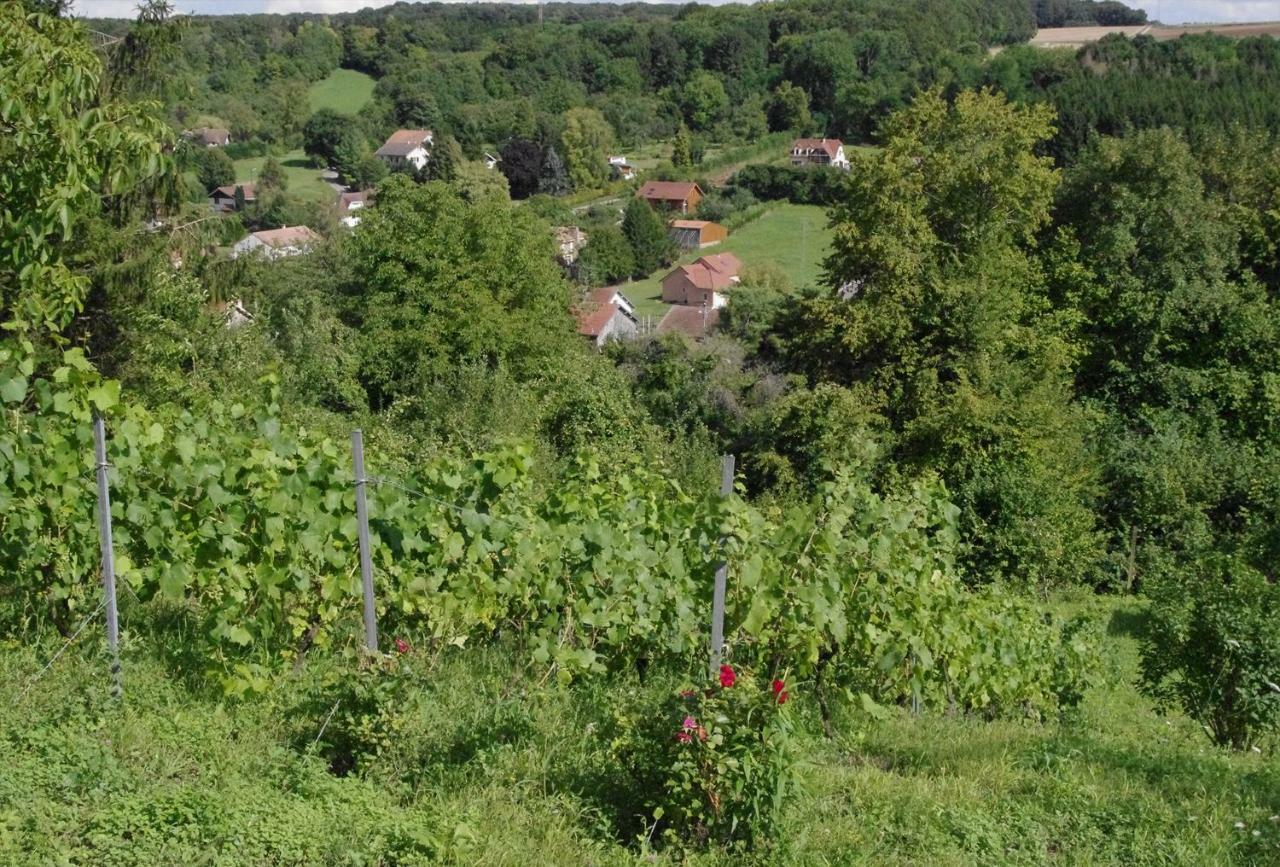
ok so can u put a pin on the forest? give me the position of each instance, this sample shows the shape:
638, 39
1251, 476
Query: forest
1002, 530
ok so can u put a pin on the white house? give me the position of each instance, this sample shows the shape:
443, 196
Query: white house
406, 148
210, 137
491, 161
277, 243
350, 204
819, 152
621, 168
607, 315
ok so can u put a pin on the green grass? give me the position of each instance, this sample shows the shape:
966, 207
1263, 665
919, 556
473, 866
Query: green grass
794, 238
494, 766
344, 90
304, 179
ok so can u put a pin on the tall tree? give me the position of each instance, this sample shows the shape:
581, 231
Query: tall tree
938, 312
522, 163
587, 140
446, 159
553, 178
682, 149
650, 246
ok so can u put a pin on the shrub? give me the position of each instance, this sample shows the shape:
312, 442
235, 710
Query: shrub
1213, 648
718, 762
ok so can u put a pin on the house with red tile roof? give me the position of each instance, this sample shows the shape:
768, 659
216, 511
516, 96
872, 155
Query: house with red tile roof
406, 148
819, 152
702, 283
678, 196
606, 314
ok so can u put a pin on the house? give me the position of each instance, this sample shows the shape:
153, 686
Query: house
606, 315
234, 314
622, 169
569, 243
702, 283
406, 148
695, 234
693, 322
223, 199
819, 152
349, 206
679, 196
210, 137
277, 243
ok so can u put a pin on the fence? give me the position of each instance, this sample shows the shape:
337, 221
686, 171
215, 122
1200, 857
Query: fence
361, 481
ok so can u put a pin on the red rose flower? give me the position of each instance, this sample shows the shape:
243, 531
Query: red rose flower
684, 737
402, 646
778, 686
727, 677
783, 696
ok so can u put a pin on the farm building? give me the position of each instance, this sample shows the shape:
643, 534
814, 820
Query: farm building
819, 152
695, 234
702, 283
677, 196
606, 315
207, 136
277, 243
406, 148
223, 199
693, 322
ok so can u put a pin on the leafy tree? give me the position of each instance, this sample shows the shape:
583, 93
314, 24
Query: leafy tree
553, 178
214, 168
272, 176
446, 159
682, 149
521, 162
327, 132
789, 109
607, 258
645, 232
703, 100
940, 312
444, 283
475, 182
587, 139
63, 151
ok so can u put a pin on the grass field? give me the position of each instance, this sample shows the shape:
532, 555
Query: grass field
488, 765
344, 90
305, 181
792, 237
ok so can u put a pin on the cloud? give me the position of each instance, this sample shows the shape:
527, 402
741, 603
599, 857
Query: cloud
1184, 11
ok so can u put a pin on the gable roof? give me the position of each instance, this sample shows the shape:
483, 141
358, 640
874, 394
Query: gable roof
695, 322
250, 191
723, 263
287, 236
347, 199
831, 146
403, 142
593, 319
690, 224
668, 190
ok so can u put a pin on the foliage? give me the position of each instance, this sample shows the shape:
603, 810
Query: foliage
522, 162
801, 185
328, 134
271, 177
789, 109
607, 258
65, 148
721, 760
214, 169
553, 178
645, 232
682, 149
587, 140
1211, 648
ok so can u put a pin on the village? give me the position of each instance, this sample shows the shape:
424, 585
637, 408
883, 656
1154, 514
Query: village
695, 287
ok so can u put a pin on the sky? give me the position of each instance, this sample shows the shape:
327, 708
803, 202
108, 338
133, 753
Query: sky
1168, 11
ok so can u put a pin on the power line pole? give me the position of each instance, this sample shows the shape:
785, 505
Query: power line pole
366, 561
